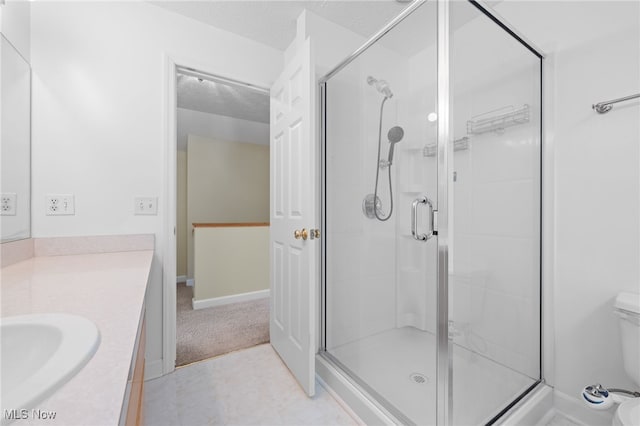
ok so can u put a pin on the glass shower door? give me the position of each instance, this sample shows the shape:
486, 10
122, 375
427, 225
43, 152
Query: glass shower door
441, 112
494, 219
380, 131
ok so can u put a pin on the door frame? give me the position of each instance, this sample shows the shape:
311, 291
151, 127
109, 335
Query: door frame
171, 62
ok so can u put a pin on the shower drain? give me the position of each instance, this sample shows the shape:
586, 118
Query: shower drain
419, 378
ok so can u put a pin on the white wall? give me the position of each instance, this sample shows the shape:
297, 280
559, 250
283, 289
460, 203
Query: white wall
361, 252
219, 127
98, 117
593, 53
15, 24
331, 42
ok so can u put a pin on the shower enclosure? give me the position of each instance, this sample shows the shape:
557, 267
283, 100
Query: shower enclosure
431, 289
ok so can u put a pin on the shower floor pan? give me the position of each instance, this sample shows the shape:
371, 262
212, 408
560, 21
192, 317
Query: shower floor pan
399, 365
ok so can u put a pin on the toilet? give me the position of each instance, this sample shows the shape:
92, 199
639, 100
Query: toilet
627, 307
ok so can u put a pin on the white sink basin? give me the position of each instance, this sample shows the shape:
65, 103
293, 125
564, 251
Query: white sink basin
40, 353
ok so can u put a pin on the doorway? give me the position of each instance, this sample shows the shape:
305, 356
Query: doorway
222, 216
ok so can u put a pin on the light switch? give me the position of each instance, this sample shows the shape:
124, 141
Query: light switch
145, 206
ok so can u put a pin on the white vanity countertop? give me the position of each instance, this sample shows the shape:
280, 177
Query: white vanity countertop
108, 289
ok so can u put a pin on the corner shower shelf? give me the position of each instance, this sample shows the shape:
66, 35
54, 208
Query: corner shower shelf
458, 145
498, 120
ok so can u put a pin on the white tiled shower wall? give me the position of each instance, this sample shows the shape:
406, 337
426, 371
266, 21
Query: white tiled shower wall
593, 54
495, 259
360, 251
494, 247
592, 162
381, 277
417, 176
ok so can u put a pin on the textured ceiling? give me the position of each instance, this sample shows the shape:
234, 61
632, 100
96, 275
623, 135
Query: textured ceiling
274, 22
222, 99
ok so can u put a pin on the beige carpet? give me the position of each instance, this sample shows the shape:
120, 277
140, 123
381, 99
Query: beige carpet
209, 332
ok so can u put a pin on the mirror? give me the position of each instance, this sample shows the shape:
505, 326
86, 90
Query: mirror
15, 144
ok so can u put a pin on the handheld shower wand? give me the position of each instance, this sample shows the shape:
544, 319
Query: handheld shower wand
372, 205
395, 135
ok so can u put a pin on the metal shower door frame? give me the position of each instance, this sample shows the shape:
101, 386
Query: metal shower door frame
444, 352
444, 365
444, 357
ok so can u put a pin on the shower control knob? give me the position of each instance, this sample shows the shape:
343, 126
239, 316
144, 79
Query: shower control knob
304, 234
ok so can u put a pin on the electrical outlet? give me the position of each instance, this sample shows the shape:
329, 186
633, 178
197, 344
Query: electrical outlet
8, 205
60, 205
145, 206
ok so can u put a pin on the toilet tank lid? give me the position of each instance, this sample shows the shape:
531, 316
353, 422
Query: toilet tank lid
628, 302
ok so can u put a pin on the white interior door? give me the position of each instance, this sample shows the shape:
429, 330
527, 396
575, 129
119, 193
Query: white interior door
293, 198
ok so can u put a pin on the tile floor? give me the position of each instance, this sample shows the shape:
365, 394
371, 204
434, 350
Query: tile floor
248, 387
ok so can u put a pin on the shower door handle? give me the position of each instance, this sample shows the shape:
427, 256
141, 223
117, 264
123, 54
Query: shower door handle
414, 219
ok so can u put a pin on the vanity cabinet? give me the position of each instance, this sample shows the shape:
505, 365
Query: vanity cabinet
107, 288
135, 385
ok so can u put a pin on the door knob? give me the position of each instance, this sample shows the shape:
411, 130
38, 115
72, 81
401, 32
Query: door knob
304, 234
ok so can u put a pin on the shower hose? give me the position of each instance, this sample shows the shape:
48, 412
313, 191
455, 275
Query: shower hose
375, 192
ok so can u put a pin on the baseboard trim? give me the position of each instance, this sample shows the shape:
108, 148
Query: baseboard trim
225, 300
153, 369
573, 408
181, 279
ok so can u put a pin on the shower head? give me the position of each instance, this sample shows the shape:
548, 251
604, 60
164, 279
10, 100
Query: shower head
381, 86
395, 135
